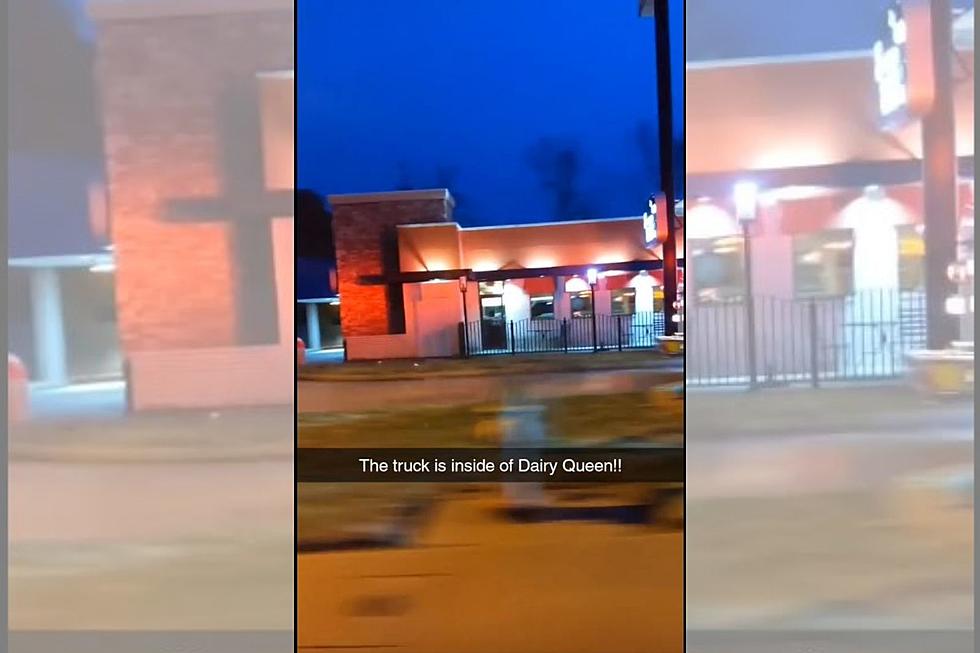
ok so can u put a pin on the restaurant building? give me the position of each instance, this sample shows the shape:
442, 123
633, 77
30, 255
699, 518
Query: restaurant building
409, 277
837, 211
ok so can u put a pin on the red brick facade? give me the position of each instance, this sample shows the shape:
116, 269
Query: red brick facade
162, 77
364, 235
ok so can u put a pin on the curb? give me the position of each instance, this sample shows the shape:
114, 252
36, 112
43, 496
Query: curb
419, 376
109, 455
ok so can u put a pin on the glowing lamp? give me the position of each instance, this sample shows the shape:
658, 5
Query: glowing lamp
746, 195
592, 275
956, 305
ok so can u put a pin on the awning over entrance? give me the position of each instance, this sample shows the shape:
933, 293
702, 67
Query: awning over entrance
517, 273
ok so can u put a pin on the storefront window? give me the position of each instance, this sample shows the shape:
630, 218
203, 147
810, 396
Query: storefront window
492, 308
718, 269
624, 301
543, 307
491, 288
823, 263
911, 258
581, 303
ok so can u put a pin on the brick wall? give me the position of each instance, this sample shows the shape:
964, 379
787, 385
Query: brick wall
164, 79
366, 242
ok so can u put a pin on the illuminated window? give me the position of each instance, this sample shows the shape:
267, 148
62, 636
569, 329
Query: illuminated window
624, 301
491, 288
543, 307
823, 263
718, 269
581, 303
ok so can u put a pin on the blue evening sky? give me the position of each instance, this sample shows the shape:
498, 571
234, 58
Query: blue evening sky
391, 92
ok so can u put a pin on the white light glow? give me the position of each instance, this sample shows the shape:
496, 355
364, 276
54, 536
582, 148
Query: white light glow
485, 265
794, 193
956, 305
709, 221
746, 195
576, 284
592, 275
541, 262
103, 268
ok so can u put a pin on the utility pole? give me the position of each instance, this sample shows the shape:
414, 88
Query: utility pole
939, 181
665, 118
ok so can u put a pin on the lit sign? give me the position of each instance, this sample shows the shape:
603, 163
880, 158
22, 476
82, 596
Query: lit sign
650, 221
903, 62
655, 220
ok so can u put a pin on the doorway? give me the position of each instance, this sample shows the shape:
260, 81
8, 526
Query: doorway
493, 316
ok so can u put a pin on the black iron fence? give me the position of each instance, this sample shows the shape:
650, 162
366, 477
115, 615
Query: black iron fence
865, 335
528, 336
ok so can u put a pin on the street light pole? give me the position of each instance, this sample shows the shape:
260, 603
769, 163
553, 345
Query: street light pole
939, 181
466, 322
593, 277
665, 118
749, 303
746, 211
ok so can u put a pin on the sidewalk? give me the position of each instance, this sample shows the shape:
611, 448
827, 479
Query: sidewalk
830, 409
397, 370
192, 436
97, 400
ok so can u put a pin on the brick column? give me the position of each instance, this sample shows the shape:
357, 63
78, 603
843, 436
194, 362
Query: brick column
367, 248
164, 87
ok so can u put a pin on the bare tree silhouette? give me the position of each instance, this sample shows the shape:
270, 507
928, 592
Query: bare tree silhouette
557, 165
447, 176
405, 177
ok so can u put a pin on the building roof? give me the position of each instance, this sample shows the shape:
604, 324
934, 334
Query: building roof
391, 196
796, 112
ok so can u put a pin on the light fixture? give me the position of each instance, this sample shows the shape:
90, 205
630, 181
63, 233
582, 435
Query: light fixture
462, 283
746, 195
592, 275
956, 305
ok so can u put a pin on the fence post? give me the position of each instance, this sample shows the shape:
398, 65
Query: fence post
814, 363
564, 334
619, 332
464, 350
513, 339
749, 339
595, 330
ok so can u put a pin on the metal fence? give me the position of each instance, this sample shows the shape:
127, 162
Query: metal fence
528, 336
865, 335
